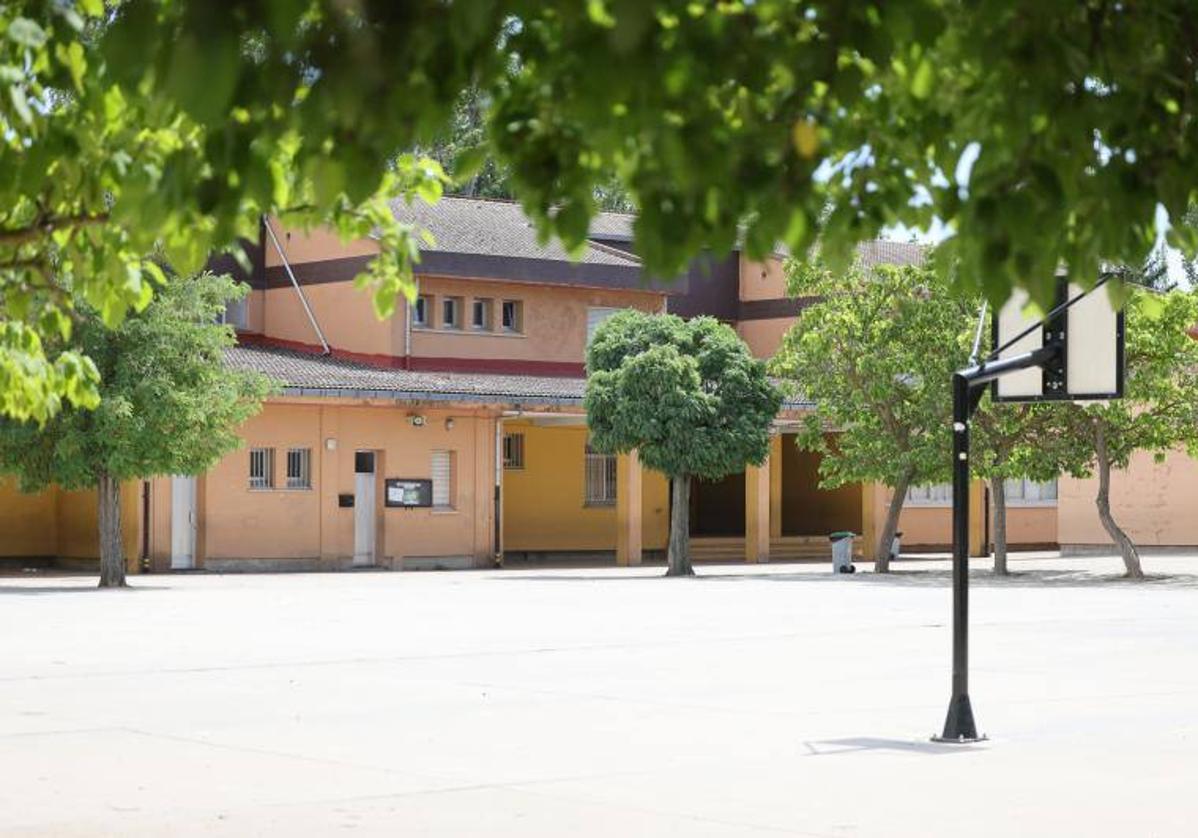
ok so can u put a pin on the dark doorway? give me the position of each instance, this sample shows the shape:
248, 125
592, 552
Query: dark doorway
806, 508
718, 506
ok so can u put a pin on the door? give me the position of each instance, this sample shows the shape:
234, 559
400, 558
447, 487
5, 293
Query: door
364, 509
183, 522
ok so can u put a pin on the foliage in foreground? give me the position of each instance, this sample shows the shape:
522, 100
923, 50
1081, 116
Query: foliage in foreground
1042, 133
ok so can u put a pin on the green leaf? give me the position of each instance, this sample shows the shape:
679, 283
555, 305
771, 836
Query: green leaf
26, 32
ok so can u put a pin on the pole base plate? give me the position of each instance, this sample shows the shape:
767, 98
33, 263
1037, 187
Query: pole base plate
961, 740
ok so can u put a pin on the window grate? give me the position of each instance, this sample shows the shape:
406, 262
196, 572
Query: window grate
299, 468
600, 478
513, 451
262, 468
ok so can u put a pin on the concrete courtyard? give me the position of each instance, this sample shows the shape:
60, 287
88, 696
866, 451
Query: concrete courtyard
604, 702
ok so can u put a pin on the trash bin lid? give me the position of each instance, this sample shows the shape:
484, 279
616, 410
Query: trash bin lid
837, 536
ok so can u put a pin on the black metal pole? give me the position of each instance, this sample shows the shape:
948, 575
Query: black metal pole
959, 725
968, 385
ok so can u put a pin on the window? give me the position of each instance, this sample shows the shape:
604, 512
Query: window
451, 313
1030, 493
442, 474
299, 468
420, 311
480, 314
262, 468
513, 316
600, 478
236, 313
513, 450
938, 494
595, 317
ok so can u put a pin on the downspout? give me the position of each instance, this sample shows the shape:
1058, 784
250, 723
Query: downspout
324, 344
407, 331
499, 490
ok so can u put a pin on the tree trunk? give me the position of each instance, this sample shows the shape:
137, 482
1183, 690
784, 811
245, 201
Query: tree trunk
678, 556
112, 554
998, 492
1131, 556
886, 538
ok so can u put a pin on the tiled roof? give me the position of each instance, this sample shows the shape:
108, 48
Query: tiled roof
880, 252
499, 228
304, 374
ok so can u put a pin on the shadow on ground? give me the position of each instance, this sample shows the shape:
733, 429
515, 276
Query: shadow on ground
858, 744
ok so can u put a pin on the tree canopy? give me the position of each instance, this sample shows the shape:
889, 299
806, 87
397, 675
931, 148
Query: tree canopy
168, 405
876, 353
1159, 411
1042, 133
686, 395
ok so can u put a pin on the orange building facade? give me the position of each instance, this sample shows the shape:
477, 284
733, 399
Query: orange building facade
452, 435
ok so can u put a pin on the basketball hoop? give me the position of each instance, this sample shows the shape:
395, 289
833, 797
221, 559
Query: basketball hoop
1075, 352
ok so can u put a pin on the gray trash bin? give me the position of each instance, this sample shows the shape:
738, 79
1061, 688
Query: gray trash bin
842, 552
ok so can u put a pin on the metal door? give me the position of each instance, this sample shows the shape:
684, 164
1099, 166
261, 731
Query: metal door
364, 509
183, 522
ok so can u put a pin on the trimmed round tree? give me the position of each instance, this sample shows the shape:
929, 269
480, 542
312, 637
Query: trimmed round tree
687, 396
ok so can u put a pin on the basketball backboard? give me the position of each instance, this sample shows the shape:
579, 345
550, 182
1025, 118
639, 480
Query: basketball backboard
1090, 334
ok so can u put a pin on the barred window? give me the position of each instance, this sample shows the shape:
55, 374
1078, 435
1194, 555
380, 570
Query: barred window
513, 451
262, 468
600, 478
299, 468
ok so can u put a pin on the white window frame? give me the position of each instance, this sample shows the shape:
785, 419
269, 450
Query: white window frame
513, 451
444, 484
420, 311
485, 305
517, 326
933, 495
262, 468
451, 305
599, 478
299, 477
1031, 493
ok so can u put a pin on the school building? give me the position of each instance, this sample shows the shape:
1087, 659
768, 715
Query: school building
453, 435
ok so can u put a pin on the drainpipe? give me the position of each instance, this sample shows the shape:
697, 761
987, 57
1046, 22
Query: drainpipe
407, 331
499, 490
324, 344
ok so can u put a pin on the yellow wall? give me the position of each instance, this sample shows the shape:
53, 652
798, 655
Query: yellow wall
543, 507
60, 524
28, 523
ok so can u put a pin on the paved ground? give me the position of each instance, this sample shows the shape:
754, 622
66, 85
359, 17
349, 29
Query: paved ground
598, 703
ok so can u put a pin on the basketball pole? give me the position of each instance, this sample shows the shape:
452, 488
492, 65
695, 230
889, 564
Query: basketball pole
968, 386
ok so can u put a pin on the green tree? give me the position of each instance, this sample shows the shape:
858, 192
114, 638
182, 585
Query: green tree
1159, 412
1041, 132
687, 396
167, 406
876, 353
1016, 442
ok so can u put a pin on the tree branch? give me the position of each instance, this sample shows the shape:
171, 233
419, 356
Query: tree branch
45, 226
